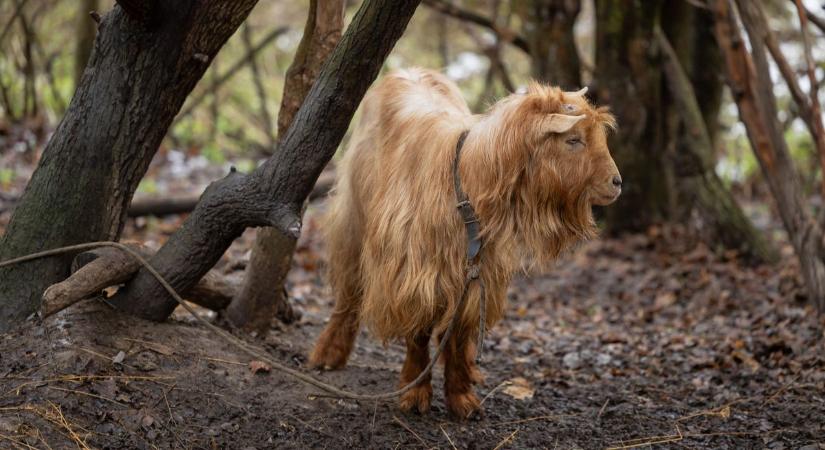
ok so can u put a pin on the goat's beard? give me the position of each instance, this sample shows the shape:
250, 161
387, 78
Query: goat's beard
544, 233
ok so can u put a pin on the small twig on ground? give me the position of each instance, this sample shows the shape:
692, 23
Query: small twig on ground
533, 419
316, 429
452, 444
81, 379
781, 390
493, 391
723, 412
224, 361
16, 442
506, 440
88, 394
649, 441
407, 427
372, 425
601, 410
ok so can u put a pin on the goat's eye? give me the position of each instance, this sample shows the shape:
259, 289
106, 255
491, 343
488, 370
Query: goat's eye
575, 143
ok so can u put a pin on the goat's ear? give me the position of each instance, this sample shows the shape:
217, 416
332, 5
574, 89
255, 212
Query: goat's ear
560, 123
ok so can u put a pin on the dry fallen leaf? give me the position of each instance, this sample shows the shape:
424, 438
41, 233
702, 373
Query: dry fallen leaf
159, 348
259, 366
519, 389
118, 359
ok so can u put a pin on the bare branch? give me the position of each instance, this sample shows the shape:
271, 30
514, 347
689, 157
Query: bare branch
815, 125
816, 20
503, 34
223, 78
812, 118
17, 10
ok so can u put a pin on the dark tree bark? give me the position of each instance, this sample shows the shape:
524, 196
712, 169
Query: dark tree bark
667, 103
274, 194
626, 79
548, 30
137, 78
263, 295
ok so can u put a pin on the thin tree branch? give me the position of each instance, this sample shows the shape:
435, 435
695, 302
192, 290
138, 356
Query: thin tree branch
18, 9
503, 34
816, 20
817, 129
232, 71
266, 118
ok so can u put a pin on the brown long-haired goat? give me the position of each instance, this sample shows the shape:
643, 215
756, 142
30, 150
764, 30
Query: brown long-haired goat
532, 167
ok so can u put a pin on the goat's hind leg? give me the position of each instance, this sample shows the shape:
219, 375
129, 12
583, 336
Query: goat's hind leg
418, 357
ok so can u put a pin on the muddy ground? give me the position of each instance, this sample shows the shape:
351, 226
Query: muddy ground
645, 341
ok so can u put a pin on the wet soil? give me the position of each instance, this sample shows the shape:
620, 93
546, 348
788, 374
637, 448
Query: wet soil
647, 341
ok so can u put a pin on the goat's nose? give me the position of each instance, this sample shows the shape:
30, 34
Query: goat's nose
617, 181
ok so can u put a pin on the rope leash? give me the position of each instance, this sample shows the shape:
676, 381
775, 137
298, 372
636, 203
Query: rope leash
248, 348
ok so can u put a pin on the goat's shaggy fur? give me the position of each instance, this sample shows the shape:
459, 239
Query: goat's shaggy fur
396, 242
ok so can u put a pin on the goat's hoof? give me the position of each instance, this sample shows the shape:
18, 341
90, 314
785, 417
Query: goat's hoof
327, 358
463, 405
417, 398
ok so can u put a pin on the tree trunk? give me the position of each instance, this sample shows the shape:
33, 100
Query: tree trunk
137, 78
263, 295
719, 219
273, 195
548, 30
667, 101
86, 31
749, 79
627, 79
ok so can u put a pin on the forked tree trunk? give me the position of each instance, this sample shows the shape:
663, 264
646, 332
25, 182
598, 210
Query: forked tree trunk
748, 76
274, 194
137, 78
263, 294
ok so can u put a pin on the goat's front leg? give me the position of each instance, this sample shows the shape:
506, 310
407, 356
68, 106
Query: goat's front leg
418, 356
460, 374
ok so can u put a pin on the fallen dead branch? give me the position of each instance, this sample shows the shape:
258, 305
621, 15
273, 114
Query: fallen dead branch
100, 268
93, 271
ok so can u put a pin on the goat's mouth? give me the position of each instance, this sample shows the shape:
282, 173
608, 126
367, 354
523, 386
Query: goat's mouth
605, 198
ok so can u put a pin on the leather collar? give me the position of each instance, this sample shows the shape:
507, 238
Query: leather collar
468, 214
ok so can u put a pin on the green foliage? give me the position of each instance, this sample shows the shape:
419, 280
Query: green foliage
147, 186
213, 153
6, 177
